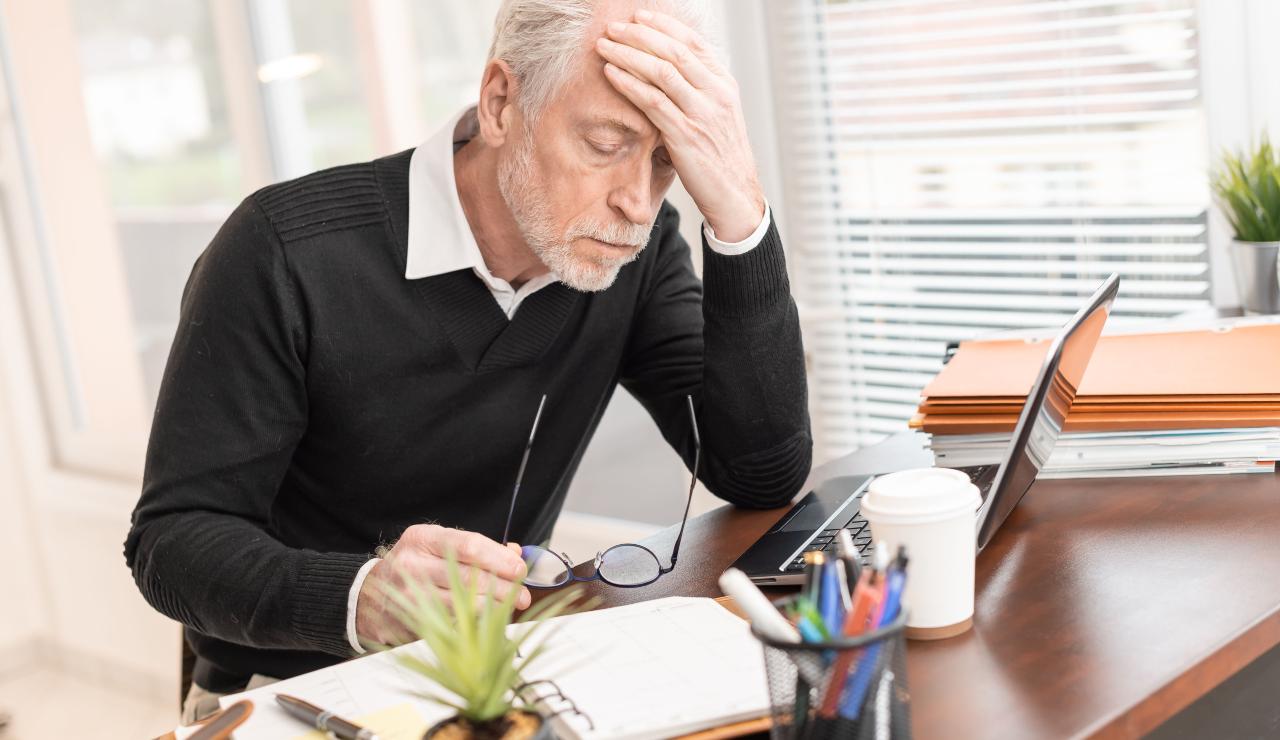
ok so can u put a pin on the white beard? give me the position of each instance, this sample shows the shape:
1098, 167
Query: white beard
519, 184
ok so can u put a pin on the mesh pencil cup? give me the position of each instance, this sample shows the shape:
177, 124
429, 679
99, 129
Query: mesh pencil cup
848, 688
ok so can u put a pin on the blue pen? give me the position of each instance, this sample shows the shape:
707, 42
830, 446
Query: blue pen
893, 590
895, 580
830, 603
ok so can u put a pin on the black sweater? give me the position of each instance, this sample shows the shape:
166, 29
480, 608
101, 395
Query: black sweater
316, 403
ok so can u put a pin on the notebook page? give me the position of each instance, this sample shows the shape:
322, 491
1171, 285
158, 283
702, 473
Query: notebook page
653, 669
355, 689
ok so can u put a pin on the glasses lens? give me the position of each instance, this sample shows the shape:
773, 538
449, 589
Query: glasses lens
628, 565
545, 567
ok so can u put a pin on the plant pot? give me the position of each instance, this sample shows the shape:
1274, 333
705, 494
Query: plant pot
1255, 267
520, 725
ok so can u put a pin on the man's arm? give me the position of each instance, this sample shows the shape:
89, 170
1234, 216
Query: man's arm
733, 342
231, 410
747, 365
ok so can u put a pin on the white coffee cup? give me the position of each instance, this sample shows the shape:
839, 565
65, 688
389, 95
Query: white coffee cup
929, 511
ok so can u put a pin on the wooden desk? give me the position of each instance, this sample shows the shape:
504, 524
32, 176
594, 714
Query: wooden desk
1104, 607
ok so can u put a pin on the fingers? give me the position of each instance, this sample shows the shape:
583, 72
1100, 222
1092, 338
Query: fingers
655, 71
659, 44
471, 548
676, 29
419, 568
650, 100
422, 552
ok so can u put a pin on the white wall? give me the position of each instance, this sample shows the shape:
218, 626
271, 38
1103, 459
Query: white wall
1240, 65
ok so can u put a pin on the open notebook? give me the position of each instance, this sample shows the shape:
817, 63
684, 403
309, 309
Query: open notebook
650, 670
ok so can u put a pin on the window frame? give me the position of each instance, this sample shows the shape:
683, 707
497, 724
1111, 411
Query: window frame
74, 297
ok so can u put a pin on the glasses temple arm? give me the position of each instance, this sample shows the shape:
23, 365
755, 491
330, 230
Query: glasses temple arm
524, 460
697, 464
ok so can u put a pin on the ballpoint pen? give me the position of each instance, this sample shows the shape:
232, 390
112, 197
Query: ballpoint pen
221, 725
323, 720
846, 586
891, 592
848, 554
830, 601
813, 561
865, 601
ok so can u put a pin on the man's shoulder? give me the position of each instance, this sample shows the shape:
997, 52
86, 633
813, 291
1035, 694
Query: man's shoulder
334, 199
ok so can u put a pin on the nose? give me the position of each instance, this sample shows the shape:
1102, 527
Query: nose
632, 195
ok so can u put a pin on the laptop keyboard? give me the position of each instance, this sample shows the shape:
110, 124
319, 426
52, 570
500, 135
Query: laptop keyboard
979, 475
857, 526
826, 541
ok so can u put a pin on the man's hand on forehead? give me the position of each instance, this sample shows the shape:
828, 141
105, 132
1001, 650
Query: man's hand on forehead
672, 75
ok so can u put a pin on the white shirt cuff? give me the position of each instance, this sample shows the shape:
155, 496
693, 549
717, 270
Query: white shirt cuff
353, 598
742, 247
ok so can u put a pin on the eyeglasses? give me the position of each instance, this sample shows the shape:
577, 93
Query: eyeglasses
628, 565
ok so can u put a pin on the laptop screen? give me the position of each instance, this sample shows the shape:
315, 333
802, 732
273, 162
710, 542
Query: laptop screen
1046, 409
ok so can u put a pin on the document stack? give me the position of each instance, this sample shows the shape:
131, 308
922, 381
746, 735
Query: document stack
1153, 403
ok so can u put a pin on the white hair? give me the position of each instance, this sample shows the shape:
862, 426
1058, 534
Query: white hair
541, 39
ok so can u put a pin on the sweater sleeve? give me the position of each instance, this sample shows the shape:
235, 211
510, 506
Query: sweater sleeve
733, 342
231, 410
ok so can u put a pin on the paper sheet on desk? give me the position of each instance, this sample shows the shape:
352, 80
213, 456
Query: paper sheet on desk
372, 685
650, 670
655, 669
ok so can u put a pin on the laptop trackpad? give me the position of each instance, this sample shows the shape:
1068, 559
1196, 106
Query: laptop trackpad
818, 506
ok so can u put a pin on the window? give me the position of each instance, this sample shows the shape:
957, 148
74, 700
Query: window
957, 168
138, 126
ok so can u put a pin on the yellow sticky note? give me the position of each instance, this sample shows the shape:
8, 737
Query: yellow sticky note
401, 722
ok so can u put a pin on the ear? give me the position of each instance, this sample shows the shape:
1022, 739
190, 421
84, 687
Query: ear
497, 114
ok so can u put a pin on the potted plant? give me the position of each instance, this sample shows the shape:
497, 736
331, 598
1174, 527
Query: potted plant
471, 656
1248, 189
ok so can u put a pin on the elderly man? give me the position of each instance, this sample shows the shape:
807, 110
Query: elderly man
362, 349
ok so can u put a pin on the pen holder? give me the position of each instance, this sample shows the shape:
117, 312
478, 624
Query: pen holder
852, 687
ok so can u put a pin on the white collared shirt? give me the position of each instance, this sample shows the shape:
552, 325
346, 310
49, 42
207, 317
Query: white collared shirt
440, 241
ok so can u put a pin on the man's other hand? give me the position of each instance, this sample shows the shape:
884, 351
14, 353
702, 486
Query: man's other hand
419, 555
671, 74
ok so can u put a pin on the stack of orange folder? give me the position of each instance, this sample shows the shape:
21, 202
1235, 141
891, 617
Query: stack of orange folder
1147, 402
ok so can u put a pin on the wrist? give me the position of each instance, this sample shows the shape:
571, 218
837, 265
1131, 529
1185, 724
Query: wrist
738, 222
370, 609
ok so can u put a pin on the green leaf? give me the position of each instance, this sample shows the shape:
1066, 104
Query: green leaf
1247, 186
465, 633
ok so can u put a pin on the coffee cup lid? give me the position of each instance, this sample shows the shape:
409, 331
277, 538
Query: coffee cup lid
920, 495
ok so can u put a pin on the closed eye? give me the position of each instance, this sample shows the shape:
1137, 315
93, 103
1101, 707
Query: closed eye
603, 149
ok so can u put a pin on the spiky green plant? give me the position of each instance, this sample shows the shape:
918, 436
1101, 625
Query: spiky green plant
1248, 188
471, 655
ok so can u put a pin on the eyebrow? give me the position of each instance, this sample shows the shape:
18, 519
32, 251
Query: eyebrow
615, 124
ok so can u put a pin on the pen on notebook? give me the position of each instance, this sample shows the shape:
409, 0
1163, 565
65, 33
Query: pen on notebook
323, 720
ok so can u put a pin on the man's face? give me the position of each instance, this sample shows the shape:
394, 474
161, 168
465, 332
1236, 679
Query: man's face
585, 182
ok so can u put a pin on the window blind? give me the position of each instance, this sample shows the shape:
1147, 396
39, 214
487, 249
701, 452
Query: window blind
956, 168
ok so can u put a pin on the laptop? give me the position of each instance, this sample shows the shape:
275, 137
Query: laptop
777, 558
